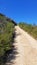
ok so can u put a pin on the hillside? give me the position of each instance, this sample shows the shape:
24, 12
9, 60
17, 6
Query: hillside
17, 47
6, 36
31, 29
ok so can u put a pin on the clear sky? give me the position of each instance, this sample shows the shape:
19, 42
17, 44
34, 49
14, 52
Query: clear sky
20, 10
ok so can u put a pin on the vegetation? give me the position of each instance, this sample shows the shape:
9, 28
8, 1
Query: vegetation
6, 35
31, 29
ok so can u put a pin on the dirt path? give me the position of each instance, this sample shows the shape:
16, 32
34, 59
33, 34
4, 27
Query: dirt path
26, 48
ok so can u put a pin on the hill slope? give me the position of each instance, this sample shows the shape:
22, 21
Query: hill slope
31, 29
26, 53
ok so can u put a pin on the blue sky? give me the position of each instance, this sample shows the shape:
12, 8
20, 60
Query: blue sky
20, 10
